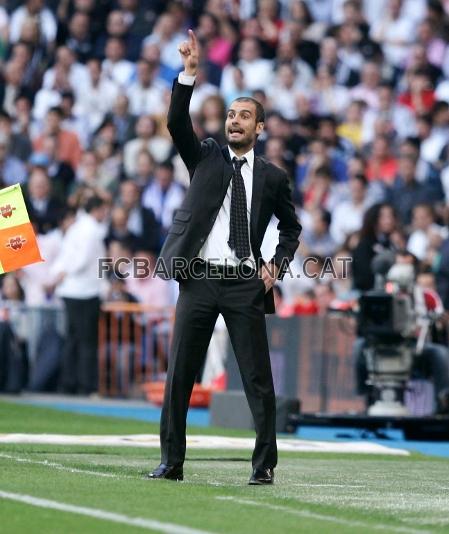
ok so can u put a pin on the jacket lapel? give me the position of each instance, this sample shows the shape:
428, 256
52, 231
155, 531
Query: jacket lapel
227, 170
259, 175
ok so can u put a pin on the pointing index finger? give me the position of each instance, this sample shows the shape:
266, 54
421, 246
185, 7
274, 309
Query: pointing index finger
192, 39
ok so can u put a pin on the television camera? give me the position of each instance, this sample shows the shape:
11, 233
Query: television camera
395, 327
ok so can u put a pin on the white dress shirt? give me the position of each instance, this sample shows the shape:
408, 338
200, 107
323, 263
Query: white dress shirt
216, 248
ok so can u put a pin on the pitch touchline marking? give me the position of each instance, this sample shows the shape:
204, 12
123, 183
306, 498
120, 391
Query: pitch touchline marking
62, 467
322, 517
328, 486
150, 524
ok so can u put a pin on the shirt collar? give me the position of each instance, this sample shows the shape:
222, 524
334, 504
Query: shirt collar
249, 156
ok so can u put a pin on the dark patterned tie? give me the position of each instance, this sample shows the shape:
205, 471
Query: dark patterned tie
238, 228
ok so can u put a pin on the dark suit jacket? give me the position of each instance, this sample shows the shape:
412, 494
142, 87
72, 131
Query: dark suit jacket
48, 219
210, 170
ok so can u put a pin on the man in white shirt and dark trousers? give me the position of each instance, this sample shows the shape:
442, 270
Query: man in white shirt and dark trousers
79, 285
218, 231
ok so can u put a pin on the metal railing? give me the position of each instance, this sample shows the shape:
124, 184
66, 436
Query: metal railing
133, 347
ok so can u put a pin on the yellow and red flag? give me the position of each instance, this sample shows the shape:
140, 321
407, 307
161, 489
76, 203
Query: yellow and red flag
18, 246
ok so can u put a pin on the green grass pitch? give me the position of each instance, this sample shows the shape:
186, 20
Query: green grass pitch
85, 489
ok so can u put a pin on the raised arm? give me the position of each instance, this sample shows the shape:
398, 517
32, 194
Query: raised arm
178, 120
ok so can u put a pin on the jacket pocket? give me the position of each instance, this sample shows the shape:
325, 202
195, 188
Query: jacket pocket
177, 228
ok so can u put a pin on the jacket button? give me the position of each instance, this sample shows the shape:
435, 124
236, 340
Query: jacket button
202, 240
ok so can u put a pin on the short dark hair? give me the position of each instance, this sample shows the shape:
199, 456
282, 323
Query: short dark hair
56, 110
260, 112
94, 203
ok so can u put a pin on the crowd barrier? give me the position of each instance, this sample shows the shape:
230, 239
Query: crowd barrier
311, 356
133, 347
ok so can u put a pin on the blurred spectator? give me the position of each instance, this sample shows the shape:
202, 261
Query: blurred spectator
11, 85
72, 121
217, 46
33, 9
115, 67
142, 221
43, 208
284, 90
79, 38
420, 95
97, 98
318, 241
376, 235
257, 71
167, 36
69, 148
328, 97
78, 284
394, 32
426, 234
382, 166
367, 89
406, 192
351, 127
163, 195
37, 278
12, 170
118, 28
118, 227
146, 94
211, 118
145, 165
146, 139
149, 289
19, 142
400, 119
121, 119
348, 215
60, 173
66, 65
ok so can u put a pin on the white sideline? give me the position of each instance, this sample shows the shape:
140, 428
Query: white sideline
150, 524
323, 517
204, 442
61, 467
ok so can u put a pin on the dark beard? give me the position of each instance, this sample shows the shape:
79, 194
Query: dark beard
244, 143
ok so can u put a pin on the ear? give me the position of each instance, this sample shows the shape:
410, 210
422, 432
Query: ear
259, 127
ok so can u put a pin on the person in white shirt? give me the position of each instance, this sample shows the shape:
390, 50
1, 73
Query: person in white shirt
257, 72
79, 285
284, 91
77, 74
33, 9
147, 139
97, 97
347, 216
115, 67
146, 95
167, 37
394, 32
163, 195
426, 233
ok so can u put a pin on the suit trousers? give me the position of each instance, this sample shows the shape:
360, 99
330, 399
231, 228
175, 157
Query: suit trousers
240, 300
79, 373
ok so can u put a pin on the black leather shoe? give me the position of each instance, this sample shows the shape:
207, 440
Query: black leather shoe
261, 476
169, 472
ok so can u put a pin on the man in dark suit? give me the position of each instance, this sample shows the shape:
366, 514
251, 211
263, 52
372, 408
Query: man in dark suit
217, 232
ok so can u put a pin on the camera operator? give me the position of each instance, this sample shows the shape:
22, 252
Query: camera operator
430, 360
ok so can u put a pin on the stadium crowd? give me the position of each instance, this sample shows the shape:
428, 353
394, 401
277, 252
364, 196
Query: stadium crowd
357, 112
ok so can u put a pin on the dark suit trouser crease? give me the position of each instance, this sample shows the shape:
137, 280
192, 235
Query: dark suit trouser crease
241, 302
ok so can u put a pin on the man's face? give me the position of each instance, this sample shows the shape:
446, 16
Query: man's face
241, 127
